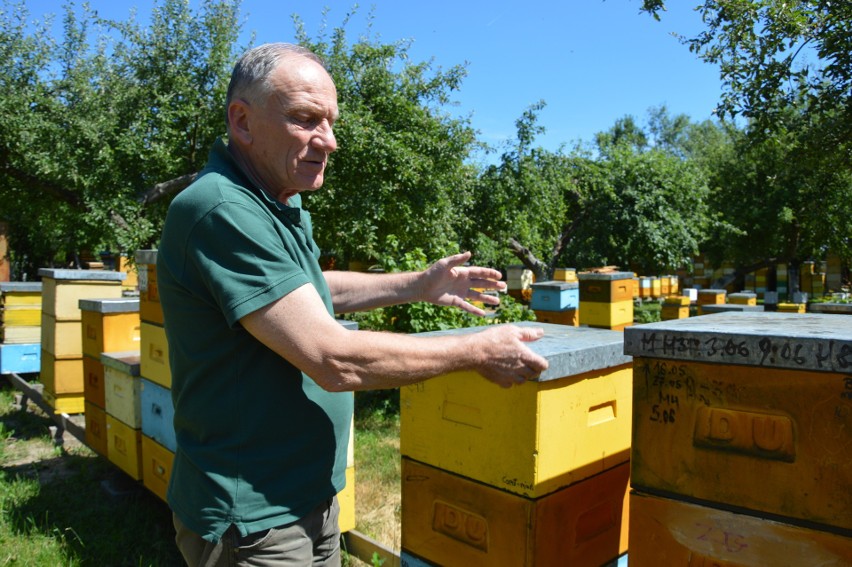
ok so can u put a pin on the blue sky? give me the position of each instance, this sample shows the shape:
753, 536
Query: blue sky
591, 61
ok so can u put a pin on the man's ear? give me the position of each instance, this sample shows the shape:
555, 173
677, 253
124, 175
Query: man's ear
238, 121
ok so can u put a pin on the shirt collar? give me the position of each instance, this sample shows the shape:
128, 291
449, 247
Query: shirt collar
292, 211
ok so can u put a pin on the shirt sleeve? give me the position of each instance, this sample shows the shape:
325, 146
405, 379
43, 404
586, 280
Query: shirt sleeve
246, 258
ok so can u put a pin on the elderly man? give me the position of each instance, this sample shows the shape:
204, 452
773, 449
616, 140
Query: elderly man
261, 370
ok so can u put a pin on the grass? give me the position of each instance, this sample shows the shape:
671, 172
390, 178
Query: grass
55, 510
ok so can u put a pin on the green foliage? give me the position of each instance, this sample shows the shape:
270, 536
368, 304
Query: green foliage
90, 124
418, 317
639, 203
400, 165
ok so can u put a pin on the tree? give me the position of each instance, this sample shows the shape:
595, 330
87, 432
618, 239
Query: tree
89, 129
400, 168
786, 68
634, 204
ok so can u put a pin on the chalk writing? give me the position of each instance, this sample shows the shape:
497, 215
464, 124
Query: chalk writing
753, 350
733, 542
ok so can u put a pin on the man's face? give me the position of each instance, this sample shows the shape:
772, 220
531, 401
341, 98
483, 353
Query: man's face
291, 133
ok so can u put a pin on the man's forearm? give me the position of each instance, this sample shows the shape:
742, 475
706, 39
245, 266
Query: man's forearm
359, 291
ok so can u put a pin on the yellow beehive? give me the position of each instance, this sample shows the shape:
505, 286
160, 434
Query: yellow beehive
743, 298
656, 287
606, 288
93, 381
123, 387
96, 431
677, 300
464, 424
606, 315
131, 282
346, 501
665, 286
61, 375
565, 274
124, 447
20, 294
566, 317
62, 339
451, 520
671, 532
109, 325
711, 296
150, 309
154, 352
792, 307
636, 290
20, 315
670, 311
746, 409
64, 403
157, 464
63, 289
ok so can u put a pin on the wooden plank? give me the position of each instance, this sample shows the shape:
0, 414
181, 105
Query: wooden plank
363, 547
64, 422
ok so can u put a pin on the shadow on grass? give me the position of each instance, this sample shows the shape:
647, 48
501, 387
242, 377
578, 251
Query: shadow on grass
101, 515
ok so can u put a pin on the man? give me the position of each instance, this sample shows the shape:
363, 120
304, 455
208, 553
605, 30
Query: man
261, 370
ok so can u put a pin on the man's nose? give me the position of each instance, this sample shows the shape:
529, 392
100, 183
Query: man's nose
324, 137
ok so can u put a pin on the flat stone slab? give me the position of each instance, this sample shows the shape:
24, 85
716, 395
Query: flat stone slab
569, 350
20, 287
801, 341
84, 275
842, 308
117, 305
728, 307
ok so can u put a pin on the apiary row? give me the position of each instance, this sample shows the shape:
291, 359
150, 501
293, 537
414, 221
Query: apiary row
718, 440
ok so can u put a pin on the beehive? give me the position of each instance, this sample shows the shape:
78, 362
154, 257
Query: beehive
157, 413
676, 533
150, 309
606, 315
451, 520
154, 352
64, 403
93, 381
62, 339
565, 274
746, 410
566, 317
606, 299
124, 447
157, 464
792, 307
464, 424
96, 432
554, 296
606, 288
63, 289
20, 314
109, 325
122, 387
20, 358
743, 298
61, 376
675, 307
711, 296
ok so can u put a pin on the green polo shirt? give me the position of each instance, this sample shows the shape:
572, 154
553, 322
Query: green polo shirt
259, 444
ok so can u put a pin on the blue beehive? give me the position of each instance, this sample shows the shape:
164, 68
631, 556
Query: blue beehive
158, 414
555, 296
20, 358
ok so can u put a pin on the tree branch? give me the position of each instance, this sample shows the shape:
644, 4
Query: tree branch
539, 268
166, 188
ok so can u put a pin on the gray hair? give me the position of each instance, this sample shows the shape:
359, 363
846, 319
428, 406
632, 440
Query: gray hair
250, 78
